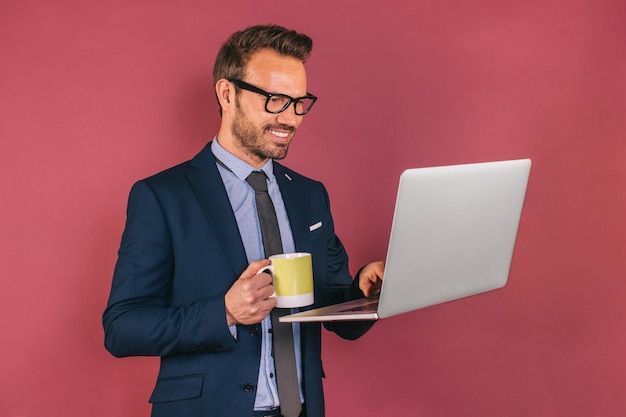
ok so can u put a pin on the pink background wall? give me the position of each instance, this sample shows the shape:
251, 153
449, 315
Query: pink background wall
96, 95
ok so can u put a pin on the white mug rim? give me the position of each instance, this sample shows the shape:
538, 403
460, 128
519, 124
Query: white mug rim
294, 255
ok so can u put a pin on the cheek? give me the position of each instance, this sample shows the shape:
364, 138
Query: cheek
265, 121
258, 117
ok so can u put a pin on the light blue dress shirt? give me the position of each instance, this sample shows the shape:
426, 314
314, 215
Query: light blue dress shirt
241, 196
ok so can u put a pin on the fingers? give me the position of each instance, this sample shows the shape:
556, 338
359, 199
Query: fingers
258, 286
370, 287
370, 278
248, 300
253, 268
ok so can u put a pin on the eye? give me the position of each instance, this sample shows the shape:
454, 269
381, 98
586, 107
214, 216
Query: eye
279, 99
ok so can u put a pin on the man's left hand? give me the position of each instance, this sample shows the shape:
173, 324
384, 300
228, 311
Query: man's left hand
371, 278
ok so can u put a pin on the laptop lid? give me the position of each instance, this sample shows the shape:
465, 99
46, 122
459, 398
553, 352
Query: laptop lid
453, 234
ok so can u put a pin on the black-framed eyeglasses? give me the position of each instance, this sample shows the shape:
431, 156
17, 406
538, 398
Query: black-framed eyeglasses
276, 102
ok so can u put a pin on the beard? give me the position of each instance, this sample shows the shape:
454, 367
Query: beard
253, 140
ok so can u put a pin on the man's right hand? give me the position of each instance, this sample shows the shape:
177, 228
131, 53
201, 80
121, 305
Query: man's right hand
248, 300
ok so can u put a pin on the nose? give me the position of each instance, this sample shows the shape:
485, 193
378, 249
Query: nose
289, 117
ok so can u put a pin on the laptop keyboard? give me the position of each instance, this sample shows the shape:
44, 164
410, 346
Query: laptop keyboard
373, 306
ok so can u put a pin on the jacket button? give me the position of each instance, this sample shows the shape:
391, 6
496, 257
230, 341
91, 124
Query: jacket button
248, 387
254, 331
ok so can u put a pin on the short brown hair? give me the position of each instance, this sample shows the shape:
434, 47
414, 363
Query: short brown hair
235, 53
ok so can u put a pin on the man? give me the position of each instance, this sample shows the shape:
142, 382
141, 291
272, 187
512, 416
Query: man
185, 286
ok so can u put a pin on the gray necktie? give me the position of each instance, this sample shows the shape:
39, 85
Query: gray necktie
282, 333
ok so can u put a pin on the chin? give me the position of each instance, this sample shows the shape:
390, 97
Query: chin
279, 152
278, 156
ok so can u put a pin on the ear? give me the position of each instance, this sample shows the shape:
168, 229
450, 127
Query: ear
225, 92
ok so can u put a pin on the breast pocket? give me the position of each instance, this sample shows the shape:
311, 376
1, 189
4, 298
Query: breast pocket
317, 230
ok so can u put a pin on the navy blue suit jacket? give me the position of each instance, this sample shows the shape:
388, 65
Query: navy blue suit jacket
180, 253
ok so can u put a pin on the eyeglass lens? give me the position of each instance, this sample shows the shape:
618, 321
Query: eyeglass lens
278, 103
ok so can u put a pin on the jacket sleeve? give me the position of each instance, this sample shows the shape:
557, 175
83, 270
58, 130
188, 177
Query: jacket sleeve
140, 318
340, 285
350, 330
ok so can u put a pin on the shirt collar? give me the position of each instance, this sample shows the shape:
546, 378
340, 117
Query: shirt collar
237, 166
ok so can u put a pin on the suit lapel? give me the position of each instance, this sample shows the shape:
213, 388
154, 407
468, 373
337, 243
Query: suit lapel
209, 188
296, 208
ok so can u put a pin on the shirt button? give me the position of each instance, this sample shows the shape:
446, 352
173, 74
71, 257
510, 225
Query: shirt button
271, 375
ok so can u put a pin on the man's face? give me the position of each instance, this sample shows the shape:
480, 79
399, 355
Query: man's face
258, 134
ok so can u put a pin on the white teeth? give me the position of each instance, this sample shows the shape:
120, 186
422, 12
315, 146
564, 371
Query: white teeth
280, 134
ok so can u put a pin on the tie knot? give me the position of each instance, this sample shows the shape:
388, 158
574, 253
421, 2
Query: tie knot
258, 181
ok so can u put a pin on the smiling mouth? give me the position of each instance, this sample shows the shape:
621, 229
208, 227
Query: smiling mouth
283, 135
281, 132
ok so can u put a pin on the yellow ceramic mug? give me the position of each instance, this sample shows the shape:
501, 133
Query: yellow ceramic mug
293, 279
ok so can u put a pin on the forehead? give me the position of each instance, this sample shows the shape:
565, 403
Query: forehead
276, 73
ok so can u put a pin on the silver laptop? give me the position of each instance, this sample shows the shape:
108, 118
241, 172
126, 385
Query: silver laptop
453, 234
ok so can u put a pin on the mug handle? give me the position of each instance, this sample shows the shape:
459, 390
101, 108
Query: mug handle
270, 270
266, 268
